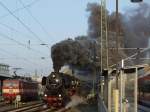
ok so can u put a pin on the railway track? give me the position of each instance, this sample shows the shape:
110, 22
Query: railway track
3, 104
27, 108
10, 107
33, 107
36, 106
55, 110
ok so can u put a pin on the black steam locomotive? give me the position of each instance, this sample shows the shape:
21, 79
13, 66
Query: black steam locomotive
59, 87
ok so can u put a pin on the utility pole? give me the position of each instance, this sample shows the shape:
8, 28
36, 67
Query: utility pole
104, 61
104, 36
116, 91
103, 40
117, 41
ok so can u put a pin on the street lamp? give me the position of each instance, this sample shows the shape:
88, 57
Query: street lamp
117, 32
46, 45
136, 1
43, 44
117, 45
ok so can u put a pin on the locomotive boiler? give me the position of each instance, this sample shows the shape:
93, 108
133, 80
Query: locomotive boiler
59, 87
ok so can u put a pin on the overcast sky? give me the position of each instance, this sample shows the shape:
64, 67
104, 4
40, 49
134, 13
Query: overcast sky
41, 21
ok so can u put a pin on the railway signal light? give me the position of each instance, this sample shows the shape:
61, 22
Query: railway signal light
44, 81
136, 1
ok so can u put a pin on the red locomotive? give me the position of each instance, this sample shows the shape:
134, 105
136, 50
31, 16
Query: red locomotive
26, 89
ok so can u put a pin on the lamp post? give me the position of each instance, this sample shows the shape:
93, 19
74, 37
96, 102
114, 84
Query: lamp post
117, 52
43, 44
136, 1
117, 33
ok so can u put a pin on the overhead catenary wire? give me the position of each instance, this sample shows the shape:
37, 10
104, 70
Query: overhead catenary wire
13, 29
21, 22
17, 31
19, 9
14, 55
20, 58
19, 43
131, 57
35, 19
25, 60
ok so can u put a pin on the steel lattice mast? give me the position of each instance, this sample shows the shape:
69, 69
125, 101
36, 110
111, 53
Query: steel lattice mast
104, 36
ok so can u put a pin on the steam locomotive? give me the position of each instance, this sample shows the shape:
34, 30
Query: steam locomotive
59, 87
25, 88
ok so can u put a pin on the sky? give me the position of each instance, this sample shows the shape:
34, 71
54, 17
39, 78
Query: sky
25, 24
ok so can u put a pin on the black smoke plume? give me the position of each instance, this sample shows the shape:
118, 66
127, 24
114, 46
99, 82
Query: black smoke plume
75, 53
136, 24
134, 28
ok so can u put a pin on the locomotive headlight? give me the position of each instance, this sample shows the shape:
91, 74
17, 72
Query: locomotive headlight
53, 76
45, 95
57, 80
59, 95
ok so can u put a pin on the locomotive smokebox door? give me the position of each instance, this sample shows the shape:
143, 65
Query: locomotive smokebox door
44, 81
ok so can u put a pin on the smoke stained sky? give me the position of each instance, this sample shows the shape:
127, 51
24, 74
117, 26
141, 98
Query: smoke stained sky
61, 18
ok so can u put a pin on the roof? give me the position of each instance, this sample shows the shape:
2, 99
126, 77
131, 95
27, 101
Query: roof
4, 75
131, 69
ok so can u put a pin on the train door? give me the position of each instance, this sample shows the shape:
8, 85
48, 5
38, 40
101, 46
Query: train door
0, 88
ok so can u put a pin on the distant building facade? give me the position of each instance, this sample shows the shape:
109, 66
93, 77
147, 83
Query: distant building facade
4, 70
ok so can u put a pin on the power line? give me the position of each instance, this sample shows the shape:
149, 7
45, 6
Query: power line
14, 55
9, 44
21, 22
131, 57
13, 29
19, 43
20, 58
25, 60
35, 19
21, 8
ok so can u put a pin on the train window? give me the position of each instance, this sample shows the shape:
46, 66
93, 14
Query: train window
7, 84
15, 84
12, 84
